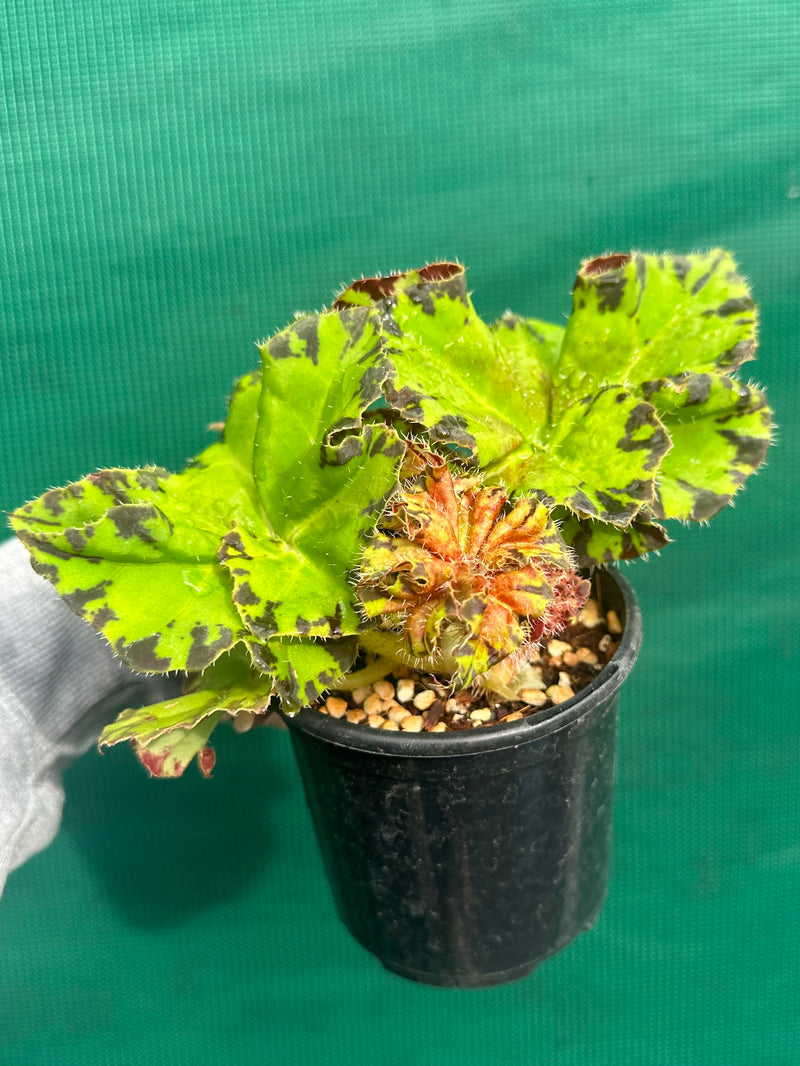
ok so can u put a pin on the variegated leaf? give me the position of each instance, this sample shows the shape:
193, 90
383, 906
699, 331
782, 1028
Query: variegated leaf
319, 376
435, 341
168, 735
599, 457
568, 413
304, 668
639, 317
721, 430
130, 534
598, 543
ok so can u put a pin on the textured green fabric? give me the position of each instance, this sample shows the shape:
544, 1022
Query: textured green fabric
178, 178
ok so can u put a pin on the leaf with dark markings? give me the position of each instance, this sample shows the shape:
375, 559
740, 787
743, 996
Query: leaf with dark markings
304, 669
718, 442
668, 320
600, 456
150, 542
168, 735
598, 543
571, 414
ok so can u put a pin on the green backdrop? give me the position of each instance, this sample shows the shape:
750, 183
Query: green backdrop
178, 178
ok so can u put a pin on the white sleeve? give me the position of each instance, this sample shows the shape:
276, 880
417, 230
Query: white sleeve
60, 684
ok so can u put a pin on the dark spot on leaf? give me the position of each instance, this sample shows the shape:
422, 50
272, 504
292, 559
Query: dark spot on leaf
354, 320
705, 503
701, 281
378, 442
331, 622
344, 651
149, 478
76, 538
641, 278
34, 543
681, 265
203, 652
262, 656
374, 507
453, 429
232, 547
311, 691
741, 352
78, 599
638, 488
386, 320
750, 451
732, 307
535, 333
112, 482
48, 570
141, 655
308, 330
640, 415
616, 510
265, 624
423, 297
244, 595
370, 388
580, 502
406, 401
129, 520
698, 389
610, 290
342, 452
279, 346
52, 501
656, 443
103, 617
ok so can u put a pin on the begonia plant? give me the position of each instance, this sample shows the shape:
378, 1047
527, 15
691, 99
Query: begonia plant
403, 483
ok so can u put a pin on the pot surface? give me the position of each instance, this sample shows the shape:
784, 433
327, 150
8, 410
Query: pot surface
466, 858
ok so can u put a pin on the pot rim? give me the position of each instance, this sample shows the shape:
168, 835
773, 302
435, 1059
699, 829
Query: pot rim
502, 734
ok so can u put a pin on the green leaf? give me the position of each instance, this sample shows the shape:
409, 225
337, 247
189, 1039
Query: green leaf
304, 669
169, 754
721, 430
599, 458
435, 340
319, 376
579, 415
219, 482
527, 352
168, 735
639, 317
298, 585
145, 556
132, 535
598, 543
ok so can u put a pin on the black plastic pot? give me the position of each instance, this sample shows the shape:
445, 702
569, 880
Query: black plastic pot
464, 859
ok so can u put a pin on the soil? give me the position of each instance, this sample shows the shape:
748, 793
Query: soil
419, 703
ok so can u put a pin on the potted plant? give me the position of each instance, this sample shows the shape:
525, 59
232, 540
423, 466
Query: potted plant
398, 520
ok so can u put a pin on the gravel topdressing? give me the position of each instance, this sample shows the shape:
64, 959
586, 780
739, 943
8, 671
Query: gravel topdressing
416, 702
